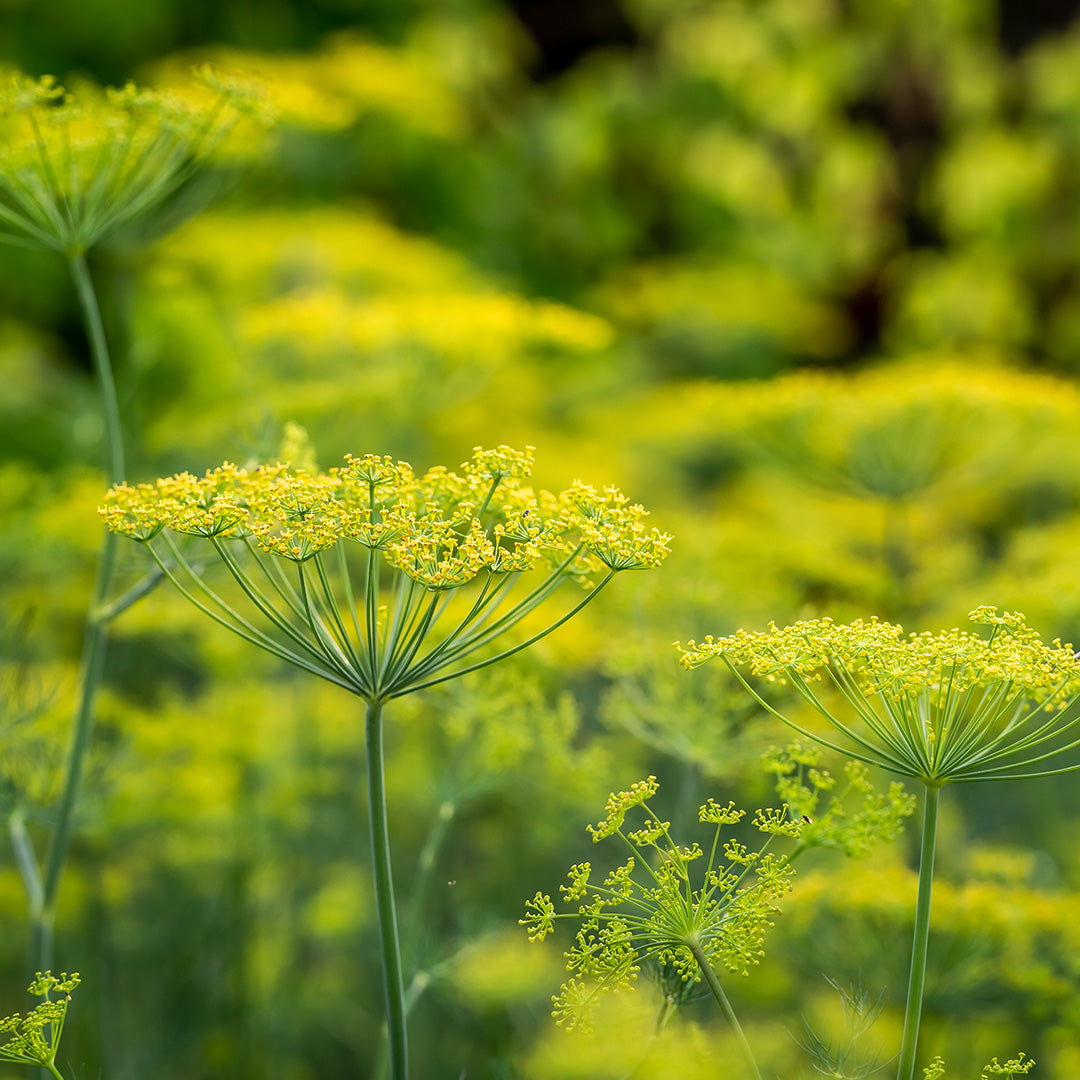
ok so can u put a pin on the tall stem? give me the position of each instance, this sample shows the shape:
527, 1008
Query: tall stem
393, 983
94, 641
718, 992
99, 352
917, 978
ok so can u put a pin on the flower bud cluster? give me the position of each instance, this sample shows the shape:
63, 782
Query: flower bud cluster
33, 1039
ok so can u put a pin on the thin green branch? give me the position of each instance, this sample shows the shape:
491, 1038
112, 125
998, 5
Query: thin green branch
406, 688
713, 984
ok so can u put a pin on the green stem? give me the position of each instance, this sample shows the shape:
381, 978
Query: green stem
718, 992
93, 657
26, 861
913, 1010
99, 351
393, 983
413, 916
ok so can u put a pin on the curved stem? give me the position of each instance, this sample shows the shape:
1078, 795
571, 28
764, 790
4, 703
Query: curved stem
725, 1005
393, 983
93, 658
917, 978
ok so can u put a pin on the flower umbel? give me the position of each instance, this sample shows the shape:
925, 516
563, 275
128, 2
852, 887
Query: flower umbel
649, 910
318, 555
34, 1039
939, 708
379, 581
74, 167
945, 707
1017, 1066
856, 815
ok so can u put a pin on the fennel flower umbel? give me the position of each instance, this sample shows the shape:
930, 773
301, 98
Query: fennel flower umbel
940, 708
457, 558
649, 909
951, 707
385, 582
75, 167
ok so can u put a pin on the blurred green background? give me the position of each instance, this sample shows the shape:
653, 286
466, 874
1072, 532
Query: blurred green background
802, 276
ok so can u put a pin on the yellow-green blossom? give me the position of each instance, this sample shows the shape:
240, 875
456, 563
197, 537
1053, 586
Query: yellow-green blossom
458, 324
348, 77
655, 913
480, 527
34, 1039
938, 707
74, 167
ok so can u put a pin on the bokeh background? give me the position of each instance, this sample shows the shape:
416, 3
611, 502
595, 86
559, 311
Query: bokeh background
802, 276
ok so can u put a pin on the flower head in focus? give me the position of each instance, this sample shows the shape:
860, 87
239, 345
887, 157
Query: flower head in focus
34, 1039
384, 560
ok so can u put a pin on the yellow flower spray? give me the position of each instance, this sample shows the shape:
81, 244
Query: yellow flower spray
384, 583
951, 707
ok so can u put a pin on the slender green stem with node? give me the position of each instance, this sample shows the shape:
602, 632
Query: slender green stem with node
43, 896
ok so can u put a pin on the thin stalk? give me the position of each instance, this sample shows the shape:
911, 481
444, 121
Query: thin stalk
917, 978
425, 868
99, 350
718, 992
413, 915
93, 658
26, 861
393, 982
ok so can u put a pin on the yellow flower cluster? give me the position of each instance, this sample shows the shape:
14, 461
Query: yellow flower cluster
251, 252
465, 324
883, 660
73, 167
33, 1039
898, 430
442, 528
615, 530
331, 88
